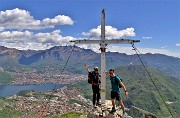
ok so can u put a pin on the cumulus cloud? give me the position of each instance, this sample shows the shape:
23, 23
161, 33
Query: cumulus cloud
40, 41
27, 45
129, 51
15, 36
93, 47
178, 44
60, 20
157, 51
111, 32
164, 47
29, 40
147, 37
22, 19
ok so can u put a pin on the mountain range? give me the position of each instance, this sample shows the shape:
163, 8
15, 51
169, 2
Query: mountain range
142, 93
56, 57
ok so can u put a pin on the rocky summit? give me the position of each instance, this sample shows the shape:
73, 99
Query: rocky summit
104, 111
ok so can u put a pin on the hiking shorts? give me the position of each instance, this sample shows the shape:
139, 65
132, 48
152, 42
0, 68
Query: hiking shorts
115, 95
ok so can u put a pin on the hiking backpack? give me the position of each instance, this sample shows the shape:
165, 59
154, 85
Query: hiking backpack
90, 77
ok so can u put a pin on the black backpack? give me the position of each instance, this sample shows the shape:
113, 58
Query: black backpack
90, 77
117, 81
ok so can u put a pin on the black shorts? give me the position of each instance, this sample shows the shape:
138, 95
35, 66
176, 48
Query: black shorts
115, 95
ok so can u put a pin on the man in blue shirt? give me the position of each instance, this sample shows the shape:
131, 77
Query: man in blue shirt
115, 93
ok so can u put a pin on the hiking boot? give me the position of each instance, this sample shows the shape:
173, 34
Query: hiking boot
113, 110
94, 106
98, 104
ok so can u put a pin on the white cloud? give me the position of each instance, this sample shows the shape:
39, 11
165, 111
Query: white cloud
27, 45
178, 44
111, 32
53, 38
93, 47
29, 40
22, 19
164, 47
40, 41
58, 20
15, 36
129, 51
147, 37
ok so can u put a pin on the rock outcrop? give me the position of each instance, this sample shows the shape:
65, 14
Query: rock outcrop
104, 111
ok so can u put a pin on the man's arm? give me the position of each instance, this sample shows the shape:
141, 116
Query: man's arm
123, 86
87, 68
107, 73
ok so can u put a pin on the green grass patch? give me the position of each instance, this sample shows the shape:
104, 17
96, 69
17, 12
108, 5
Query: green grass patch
6, 109
7, 113
70, 115
24, 93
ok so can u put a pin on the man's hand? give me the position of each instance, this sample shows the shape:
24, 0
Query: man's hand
126, 93
86, 66
107, 73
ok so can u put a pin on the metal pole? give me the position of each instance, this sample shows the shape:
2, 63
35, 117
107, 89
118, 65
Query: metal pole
103, 59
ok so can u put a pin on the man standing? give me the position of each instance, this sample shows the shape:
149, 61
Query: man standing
95, 84
115, 93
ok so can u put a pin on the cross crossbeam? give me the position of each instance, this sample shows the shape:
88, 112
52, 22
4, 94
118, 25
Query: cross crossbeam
113, 41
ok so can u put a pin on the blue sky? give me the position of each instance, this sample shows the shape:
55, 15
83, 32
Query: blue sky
41, 24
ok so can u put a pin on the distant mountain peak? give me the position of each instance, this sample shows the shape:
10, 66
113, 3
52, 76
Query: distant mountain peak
8, 51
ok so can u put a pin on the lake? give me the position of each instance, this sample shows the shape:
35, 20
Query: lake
8, 90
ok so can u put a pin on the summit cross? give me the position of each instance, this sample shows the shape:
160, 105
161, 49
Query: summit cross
103, 43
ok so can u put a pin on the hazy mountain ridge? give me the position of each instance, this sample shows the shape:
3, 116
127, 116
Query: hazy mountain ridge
58, 55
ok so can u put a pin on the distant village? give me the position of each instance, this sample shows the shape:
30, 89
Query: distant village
46, 77
52, 102
60, 101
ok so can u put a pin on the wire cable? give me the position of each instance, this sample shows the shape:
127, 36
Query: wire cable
136, 50
60, 76
134, 61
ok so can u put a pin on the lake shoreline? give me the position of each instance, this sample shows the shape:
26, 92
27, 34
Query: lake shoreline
9, 90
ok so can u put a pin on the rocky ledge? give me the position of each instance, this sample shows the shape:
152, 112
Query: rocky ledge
104, 111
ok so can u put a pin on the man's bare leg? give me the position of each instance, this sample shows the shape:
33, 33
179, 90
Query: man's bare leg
122, 105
